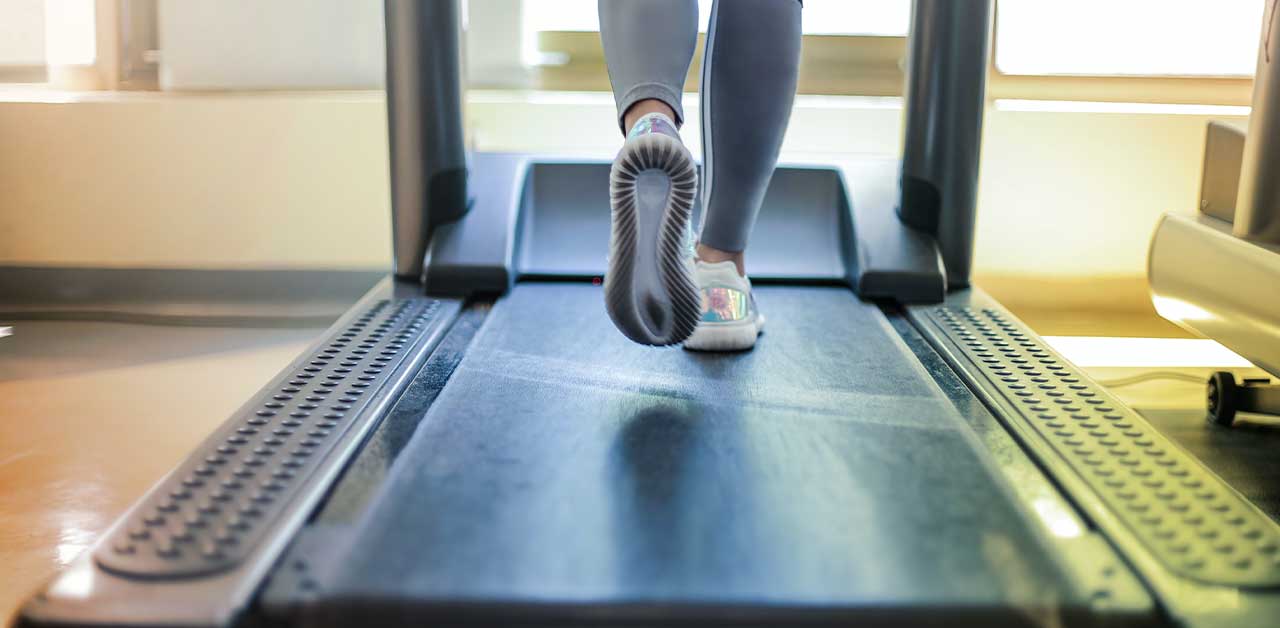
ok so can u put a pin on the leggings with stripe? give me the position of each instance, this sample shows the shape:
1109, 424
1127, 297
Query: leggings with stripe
749, 72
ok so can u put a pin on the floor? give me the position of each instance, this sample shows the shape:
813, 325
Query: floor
91, 414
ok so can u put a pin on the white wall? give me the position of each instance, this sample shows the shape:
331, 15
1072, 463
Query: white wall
196, 181
1078, 194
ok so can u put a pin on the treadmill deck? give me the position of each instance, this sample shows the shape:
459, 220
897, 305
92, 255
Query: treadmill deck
566, 470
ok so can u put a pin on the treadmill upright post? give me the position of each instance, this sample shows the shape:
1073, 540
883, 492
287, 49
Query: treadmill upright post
1257, 215
950, 42
424, 124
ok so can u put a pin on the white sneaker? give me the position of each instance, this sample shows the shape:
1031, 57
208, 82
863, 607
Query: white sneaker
730, 319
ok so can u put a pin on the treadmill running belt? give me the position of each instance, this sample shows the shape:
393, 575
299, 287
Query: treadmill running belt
566, 473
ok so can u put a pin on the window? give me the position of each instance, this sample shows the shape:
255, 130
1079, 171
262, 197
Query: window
857, 17
78, 44
22, 56
1153, 51
851, 46
1129, 37
1162, 51
821, 17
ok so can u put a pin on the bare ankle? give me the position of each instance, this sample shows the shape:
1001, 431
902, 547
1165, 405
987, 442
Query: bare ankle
713, 255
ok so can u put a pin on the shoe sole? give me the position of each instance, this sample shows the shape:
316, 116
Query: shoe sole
649, 291
725, 336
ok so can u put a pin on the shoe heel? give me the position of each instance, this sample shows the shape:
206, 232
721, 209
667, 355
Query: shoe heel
653, 179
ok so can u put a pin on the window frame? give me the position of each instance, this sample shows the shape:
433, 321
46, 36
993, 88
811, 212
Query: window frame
842, 65
873, 65
124, 58
20, 73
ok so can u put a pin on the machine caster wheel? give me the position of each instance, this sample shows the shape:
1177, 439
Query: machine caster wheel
1221, 397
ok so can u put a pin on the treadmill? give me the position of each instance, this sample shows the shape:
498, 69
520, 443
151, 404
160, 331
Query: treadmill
473, 443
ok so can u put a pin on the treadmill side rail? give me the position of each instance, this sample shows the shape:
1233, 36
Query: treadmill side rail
195, 548
475, 254
891, 260
945, 96
1190, 535
425, 104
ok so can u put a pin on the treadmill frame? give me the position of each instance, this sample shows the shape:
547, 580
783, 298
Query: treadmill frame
1110, 555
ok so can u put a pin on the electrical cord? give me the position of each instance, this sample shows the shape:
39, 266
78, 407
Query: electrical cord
1152, 376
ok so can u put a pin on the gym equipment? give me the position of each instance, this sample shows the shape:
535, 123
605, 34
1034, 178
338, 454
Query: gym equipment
475, 443
1216, 273
1226, 397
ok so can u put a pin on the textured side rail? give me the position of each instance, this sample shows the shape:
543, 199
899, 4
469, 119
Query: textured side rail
212, 512
1187, 517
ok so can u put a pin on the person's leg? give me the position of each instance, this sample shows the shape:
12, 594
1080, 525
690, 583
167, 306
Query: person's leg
648, 46
648, 289
749, 75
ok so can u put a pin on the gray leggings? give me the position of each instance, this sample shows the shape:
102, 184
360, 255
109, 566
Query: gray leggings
748, 82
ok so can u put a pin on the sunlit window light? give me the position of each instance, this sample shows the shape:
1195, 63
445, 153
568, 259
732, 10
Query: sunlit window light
70, 32
820, 17
1091, 351
1132, 37
21, 32
1081, 106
